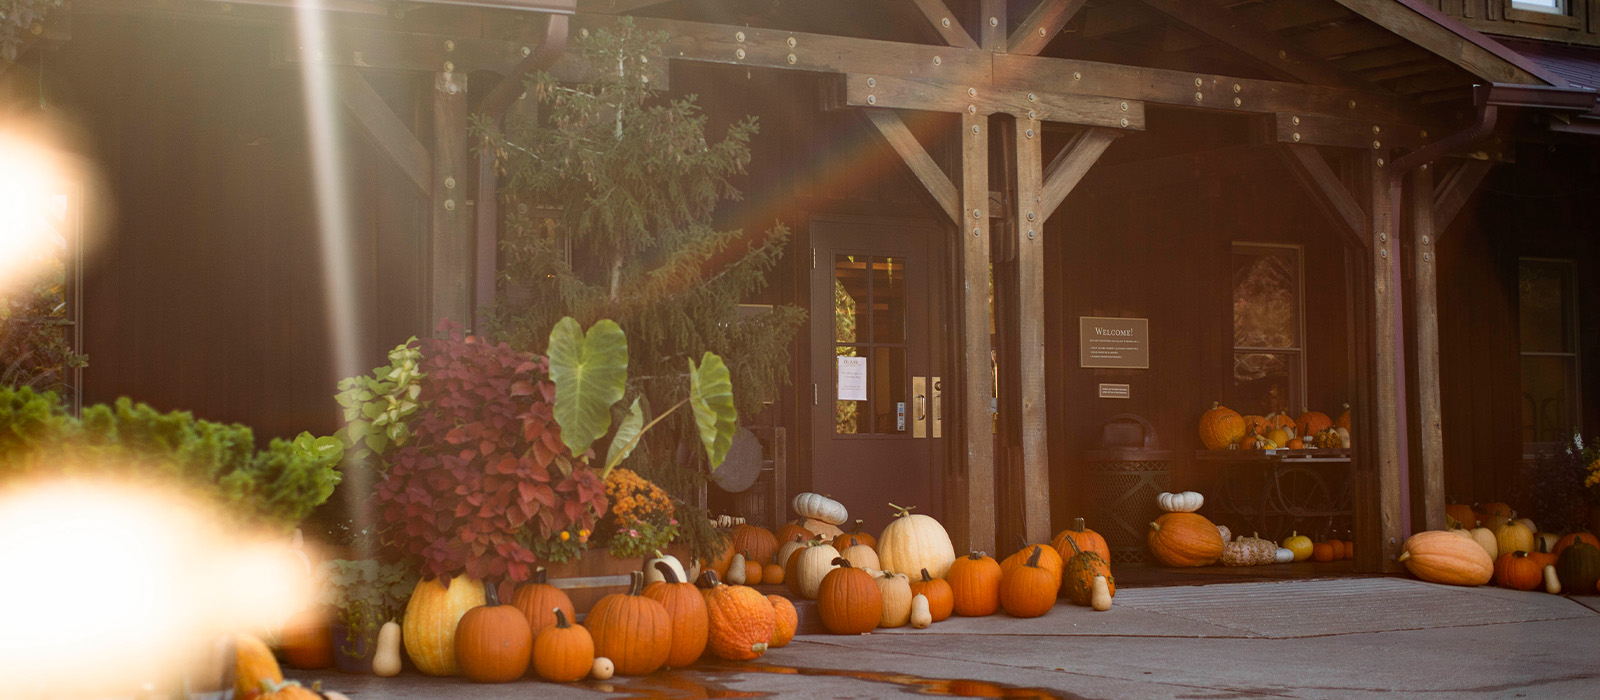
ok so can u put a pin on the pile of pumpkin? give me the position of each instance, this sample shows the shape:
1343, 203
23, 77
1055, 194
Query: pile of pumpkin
1491, 544
1222, 428
1182, 537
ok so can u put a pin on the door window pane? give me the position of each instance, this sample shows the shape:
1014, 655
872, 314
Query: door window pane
1263, 382
1266, 297
849, 416
1549, 403
1547, 315
888, 300
1543, 305
887, 379
850, 289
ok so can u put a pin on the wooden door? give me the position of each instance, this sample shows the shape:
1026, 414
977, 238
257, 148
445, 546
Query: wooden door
877, 413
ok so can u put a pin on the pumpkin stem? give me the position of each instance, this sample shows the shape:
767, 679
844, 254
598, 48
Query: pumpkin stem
491, 594
903, 511
925, 575
667, 573
1155, 526
976, 555
857, 529
841, 562
708, 579
1074, 542
1519, 554
1077, 525
636, 585
1033, 560
540, 576
561, 619
1403, 556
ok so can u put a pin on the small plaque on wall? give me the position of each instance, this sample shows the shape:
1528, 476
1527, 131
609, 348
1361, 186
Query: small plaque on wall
1115, 391
1118, 343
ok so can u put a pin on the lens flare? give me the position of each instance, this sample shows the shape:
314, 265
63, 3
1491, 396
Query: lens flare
33, 182
142, 581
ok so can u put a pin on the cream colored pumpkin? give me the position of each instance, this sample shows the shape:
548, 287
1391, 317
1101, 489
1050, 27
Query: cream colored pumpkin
1283, 556
1552, 584
815, 506
921, 616
602, 669
861, 556
825, 530
896, 590
914, 542
788, 549
1485, 538
652, 574
814, 563
1186, 502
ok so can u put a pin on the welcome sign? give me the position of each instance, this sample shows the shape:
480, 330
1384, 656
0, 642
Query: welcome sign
1114, 343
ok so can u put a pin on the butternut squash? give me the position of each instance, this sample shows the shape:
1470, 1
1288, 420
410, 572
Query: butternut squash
386, 658
921, 616
1552, 584
1100, 594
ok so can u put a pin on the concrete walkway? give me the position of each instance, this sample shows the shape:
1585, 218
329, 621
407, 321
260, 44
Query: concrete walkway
1343, 638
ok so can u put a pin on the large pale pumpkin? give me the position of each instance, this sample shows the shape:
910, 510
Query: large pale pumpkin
1184, 539
896, 590
1437, 556
1220, 427
815, 506
812, 564
429, 628
914, 542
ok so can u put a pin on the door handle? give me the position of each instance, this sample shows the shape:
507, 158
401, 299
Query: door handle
919, 407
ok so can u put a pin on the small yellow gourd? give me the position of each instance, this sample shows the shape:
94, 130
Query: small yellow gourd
921, 617
602, 669
1552, 584
386, 658
1100, 594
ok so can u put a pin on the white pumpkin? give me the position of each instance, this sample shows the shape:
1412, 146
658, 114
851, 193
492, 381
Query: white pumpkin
826, 530
896, 590
915, 542
652, 574
862, 557
1283, 556
815, 506
815, 562
1186, 502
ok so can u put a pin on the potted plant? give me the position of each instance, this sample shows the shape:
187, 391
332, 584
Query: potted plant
363, 595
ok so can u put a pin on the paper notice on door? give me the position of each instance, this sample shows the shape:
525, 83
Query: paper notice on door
852, 378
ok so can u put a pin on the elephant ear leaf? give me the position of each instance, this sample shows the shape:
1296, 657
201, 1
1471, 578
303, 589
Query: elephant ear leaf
627, 436
711, 397
590, 372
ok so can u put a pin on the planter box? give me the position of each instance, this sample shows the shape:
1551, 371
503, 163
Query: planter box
594, 576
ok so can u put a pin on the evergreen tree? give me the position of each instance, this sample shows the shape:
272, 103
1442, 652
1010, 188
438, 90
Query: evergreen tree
637, 184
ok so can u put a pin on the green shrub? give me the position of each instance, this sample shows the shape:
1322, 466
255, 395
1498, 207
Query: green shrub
275, 487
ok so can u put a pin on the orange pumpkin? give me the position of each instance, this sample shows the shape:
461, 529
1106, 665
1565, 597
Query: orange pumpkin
1462, 514
752, 571
1086, 540
307, 639
563, 652
538, 601
1254, 425
1184, 539
687, 610
1574, 537
1322, 551
771, 574
1494, 509
720, 562
757, 544
493, 642
1343, 421
1338, 549
633, 631
286, 690
1518, 571
854, 537
788, 531
253, 663
1077, 577
1029, 590
1542, 557
1440, 557
742, 621
941, 601
1049, 560
1295, 444
1311, 423
1220, 427
849, 601
785, 621
975, 585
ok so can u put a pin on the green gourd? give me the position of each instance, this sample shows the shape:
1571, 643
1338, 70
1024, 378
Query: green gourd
1579, 569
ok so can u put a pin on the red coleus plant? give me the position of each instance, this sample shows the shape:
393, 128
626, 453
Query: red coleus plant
485, 471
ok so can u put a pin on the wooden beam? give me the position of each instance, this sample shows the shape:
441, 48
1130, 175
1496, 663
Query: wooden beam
945, 23
1327, 191
971, 509
1070, 165
1453, 191
1028, 402
617, 7
1388, 372
366, 47
1424, 261
901, 93
1285, 58
1042, 25
992, 23
451, 260
1462, 46
384, 130
917, 159
1319, 130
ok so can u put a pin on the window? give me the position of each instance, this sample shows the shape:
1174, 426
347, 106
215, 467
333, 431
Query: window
1552, 13
1554, 7
1548, 315
869, 312
1268, 358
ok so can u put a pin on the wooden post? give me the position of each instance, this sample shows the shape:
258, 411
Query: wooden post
450, 267
1388, 372
992, 27
1424, 260
970, 492
1028, 404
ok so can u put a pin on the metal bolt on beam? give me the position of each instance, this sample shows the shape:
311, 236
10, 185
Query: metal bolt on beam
738, 36
977, 232
449, 45
526, 52
1077, 75
994, 21
1031, 234
1124, 122
793, 59
792, 42
945, 22
872, 82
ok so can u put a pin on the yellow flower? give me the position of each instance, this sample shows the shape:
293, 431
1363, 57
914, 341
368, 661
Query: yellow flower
583, 533
565, 535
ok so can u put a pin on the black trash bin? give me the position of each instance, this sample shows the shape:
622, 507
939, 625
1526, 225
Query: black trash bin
1126, 474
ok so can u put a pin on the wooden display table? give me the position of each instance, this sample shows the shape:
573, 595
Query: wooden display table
1275, 492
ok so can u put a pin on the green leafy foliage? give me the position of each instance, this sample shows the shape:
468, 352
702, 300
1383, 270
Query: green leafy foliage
711, 397
590, 371
378, 406
633, 182
275, 487
34, 350
365, 594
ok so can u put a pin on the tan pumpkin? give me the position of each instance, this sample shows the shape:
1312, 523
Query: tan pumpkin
896, 590
1184, 539
1485, 539
861, 556
1439, 557
913, 542
432, 614
1513, 537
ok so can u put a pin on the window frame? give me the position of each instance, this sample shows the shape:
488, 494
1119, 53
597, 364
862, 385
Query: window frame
1572, 322
1297, 399
1559, 16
